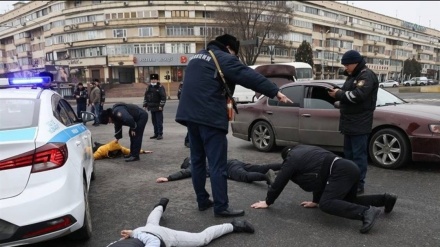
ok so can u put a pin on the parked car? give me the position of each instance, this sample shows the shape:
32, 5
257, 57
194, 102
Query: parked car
432, 82
416, 81
402, 131
46, 165
389, 83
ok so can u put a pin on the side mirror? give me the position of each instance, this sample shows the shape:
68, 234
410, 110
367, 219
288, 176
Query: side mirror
337, 104
87, 116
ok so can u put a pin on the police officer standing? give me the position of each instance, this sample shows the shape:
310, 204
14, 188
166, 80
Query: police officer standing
357, 104
154, 101
94, 101
132, 116
81, 99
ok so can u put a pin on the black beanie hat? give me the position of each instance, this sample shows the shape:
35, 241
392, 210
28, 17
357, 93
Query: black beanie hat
351, 57
229, 40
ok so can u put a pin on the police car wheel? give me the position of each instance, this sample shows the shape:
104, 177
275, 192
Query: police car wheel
85, 232
389, 148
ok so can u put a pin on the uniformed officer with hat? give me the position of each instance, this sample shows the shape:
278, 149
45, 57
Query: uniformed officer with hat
154, 101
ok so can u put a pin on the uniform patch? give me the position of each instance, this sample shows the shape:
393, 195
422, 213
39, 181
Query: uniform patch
360, 83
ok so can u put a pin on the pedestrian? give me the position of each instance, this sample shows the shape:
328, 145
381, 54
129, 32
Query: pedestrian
237, 170
81, 97
333, 181
357, 99
94, 101
179, 92
132, 116
102, 99
154, 101
112, 150
203, 110
153, 234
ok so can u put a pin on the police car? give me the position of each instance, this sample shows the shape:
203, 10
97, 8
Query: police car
46, 165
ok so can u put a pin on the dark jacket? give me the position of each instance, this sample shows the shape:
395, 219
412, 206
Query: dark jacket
128, 115
102, 100
308, 167
155, 97
358, 101
202, 100
83, 96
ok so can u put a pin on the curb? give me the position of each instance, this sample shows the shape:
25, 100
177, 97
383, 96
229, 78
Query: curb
420, 89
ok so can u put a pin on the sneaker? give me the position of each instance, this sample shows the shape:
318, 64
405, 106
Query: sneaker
270, 177
390, 201
369, 218
242, 226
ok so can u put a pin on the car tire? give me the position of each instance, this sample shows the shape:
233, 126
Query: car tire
422, 84
263, 137
394, 85
381, 86
85, 232
389, 148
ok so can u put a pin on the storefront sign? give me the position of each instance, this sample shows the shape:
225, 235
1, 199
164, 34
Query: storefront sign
413, 26
161, 59
83, 62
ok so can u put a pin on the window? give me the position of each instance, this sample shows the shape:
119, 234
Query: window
318, 98
17, 113
179, 13
179, 31
119, 33
145, 31
294, 92
181, 48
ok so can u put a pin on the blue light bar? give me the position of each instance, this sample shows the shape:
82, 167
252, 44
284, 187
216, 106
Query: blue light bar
36, 81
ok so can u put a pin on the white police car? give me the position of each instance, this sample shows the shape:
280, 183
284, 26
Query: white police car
46, 165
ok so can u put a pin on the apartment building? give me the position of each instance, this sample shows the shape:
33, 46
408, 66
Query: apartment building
126, 41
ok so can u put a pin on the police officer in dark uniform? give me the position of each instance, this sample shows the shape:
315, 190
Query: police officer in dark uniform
132, 116
357, 99
81, 97
154, 101
333, 181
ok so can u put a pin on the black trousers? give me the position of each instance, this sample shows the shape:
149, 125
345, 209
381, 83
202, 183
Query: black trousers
244, 172
157, 119
136, 141
80, 107
340, 193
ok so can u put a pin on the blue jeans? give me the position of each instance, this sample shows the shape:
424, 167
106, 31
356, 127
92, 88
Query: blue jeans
211, 143
356, 149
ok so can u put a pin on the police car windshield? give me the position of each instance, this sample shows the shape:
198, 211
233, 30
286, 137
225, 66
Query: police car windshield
16, 113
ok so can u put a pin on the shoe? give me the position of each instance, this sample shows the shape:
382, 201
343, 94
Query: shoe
229, 212
390, 201
360, 191
369, 219
163, 202
270, 177
242, 226
153, 137
132, 158
159, 137
127, 156
186, 144
208, 205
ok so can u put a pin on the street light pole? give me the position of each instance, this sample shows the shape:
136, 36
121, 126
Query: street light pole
204, 5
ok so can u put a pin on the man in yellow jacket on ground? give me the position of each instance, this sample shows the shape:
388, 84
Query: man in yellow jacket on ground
112, 150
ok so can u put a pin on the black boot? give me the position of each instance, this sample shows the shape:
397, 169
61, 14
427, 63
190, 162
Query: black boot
132, 158
153, 137
242, 226
369, 218
390, 201
163, 202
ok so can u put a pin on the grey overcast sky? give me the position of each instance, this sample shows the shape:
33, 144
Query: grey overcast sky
425, 13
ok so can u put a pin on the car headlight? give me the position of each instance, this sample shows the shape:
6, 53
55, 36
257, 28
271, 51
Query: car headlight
434, 128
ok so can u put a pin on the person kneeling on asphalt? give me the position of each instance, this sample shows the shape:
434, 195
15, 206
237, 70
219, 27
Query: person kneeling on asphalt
333, 181
152, 234
129, 115
236, 170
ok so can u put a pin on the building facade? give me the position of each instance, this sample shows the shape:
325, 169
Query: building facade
126, 41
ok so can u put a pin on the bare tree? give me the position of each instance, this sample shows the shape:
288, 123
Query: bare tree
247, 20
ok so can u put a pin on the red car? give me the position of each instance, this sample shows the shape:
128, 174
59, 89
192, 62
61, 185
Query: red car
402, 131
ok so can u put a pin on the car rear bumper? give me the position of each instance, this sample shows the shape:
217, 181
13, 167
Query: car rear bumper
425, 149
47, 196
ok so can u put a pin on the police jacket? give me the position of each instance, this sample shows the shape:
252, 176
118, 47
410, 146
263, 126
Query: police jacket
154, 97
128, 115
82, 93
358, 101
202, 100
102, 99
308, 167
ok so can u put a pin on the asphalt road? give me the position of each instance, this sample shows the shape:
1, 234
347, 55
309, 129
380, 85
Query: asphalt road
123, 195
